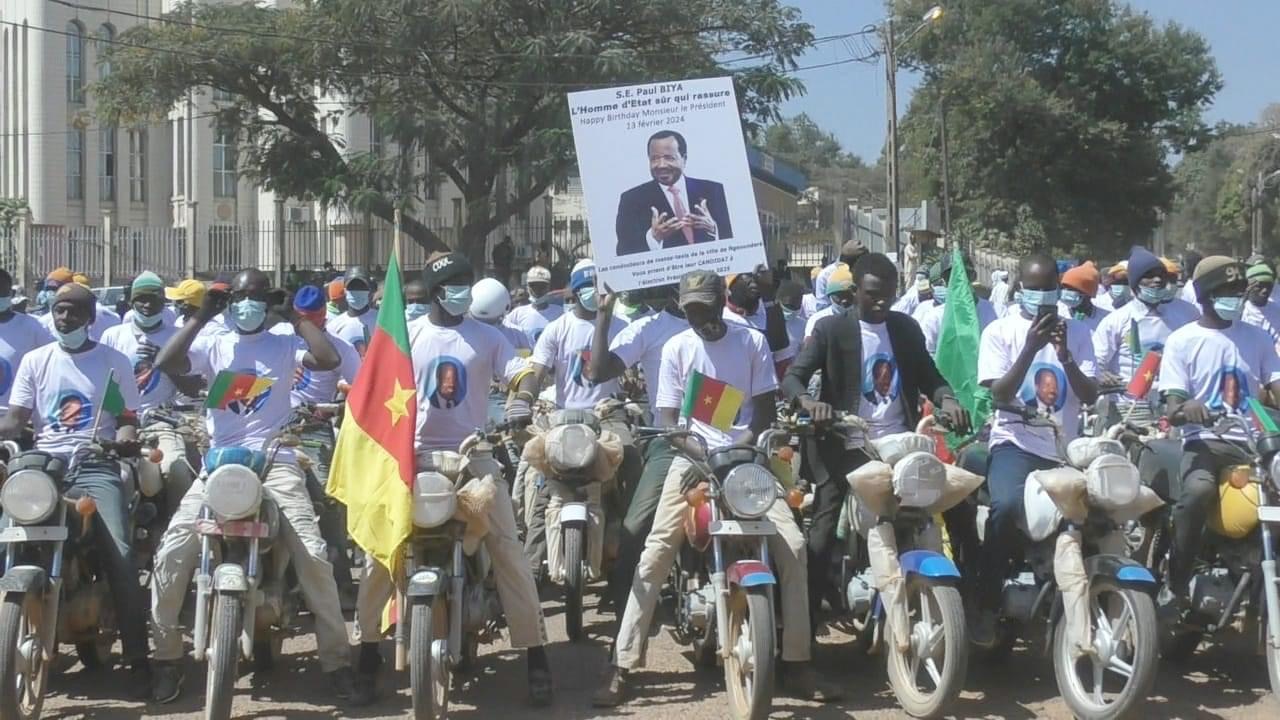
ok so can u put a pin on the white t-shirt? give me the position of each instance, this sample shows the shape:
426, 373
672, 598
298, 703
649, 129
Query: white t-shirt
321, 386
759, 321
103, 320
642, 342
1267, 318
1045, 386
1188, 294
267, 355
565, 347
1112, 339
922, 309
908, 303
154, 387
1221, 368
356, 330
740, 359
516, 337
824, 276
64, 391
532, 320
19, 335
453, 368
881, 404
931, 322
1090, 321
808, 305
795, 332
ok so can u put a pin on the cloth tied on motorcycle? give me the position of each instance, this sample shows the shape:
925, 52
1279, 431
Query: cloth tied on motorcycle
217, 457
1084, 450
1214, 272
1068, 572
475, 499
1065, 489
892, 448
873, 484
882, 552
567, 446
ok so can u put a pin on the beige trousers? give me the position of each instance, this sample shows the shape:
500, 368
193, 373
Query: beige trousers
786, 549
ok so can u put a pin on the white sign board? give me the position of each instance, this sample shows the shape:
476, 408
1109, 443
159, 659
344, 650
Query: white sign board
665, 178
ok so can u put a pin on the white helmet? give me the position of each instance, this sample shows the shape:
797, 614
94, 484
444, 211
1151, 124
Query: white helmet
489, 300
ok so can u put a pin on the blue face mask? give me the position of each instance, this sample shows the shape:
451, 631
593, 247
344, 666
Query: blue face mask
940, 294
1120, 292
357, 299
1229, 308
75, 339
147, 322
1152, 296
456, 300
248, 315
1033, 300
1072, 298
413, 311
587, 296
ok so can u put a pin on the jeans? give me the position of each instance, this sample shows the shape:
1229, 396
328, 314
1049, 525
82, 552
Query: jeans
1007, 472
1201, 461
317, 445
831, 486
640, 509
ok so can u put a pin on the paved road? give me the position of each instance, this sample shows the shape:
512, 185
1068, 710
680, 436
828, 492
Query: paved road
1221, 682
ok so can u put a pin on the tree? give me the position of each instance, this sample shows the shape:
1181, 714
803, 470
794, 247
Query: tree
11, 211
477, 87
1067, 108
801, 141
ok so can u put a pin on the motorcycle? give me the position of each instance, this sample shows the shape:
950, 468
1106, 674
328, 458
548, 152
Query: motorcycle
904, 595
451, 600
243, 600
1238, 567
1097, 605
55, 588
722, 581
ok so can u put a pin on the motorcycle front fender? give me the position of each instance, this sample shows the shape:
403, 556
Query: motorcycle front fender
1126, 572
750, 573
574, 513
24, 579
229, 577
930, 565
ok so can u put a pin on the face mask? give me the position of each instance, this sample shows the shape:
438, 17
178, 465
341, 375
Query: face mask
1033, 300
1072, 298
75, 339
788, 313
357, 299
1120, 292
541, 300
1229, 308
147, 322
587, 296
5, 304
249, 315
940, 294
1151, 296
413, 311
456, 300
1170, 294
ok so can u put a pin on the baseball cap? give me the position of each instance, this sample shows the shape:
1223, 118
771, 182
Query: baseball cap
537, 273
147, 282
701, 286
840, 281
190, 292
443, 268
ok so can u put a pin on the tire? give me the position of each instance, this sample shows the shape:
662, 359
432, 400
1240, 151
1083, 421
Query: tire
938, 629
749, 668
223, 656
574, 536
428, 684
21, 691
1137, 639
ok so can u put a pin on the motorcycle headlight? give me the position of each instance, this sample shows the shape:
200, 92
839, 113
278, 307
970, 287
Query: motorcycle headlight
233, 492
29, 497
434, 499
749, 490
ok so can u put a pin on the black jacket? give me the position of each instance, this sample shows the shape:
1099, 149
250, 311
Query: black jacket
836, 349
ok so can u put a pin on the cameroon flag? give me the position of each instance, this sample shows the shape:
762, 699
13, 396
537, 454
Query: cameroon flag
373, 463
713, 402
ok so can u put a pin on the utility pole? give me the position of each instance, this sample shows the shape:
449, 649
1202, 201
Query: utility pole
1256, 225
891, 87
946, 175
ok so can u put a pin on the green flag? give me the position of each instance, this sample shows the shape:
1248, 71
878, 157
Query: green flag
113, 399
958, 341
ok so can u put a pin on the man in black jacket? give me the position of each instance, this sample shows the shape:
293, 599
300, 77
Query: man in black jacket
847, 346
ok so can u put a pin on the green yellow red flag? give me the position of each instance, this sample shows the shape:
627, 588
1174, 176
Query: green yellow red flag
711, 401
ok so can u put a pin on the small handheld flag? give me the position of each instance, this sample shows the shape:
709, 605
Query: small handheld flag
711, 401
1145, 376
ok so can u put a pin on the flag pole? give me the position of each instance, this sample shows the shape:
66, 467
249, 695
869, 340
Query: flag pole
97, 420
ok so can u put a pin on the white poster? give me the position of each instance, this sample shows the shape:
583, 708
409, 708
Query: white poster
664, 172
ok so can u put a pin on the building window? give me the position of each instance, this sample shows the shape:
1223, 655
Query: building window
138, 165
224, 164
75, 164
107, 164
106, 35
75, 63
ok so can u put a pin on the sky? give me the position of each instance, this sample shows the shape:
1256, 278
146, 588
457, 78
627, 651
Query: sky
848, 99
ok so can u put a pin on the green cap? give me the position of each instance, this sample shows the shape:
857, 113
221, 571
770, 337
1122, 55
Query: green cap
148, 282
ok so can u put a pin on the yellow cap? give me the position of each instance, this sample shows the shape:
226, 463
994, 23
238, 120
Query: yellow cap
840, 280
190, 292
80, 279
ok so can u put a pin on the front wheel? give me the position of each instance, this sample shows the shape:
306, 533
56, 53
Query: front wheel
1116, 674
573, 554
929, 675
23, 670
223, 656
428, 675
749, 668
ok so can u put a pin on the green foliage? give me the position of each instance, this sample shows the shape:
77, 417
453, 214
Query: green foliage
830, 167
476, 87
1060, 115
11, 211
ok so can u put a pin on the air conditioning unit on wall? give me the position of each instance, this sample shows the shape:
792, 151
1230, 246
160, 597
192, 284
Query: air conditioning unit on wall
298, 215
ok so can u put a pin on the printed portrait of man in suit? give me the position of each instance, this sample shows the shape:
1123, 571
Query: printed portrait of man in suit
672, 209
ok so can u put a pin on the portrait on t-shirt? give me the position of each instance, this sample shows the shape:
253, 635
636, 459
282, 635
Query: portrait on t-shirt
72, 412
880, 381
245, 408
578, 368
1230, 390
145, 374
1044, 388
448, 383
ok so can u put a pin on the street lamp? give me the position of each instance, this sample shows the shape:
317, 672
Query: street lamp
1256, 197
891, 83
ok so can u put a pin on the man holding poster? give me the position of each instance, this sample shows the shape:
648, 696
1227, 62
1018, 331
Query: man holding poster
673, 209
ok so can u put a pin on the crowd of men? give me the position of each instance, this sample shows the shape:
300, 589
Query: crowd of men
1049, 340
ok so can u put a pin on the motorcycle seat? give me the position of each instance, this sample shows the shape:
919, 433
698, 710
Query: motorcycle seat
255, 460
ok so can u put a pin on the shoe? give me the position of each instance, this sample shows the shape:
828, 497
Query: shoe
343, 682
539, 687
801, 682
982, 628
614, 691
140, 680
166, 682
